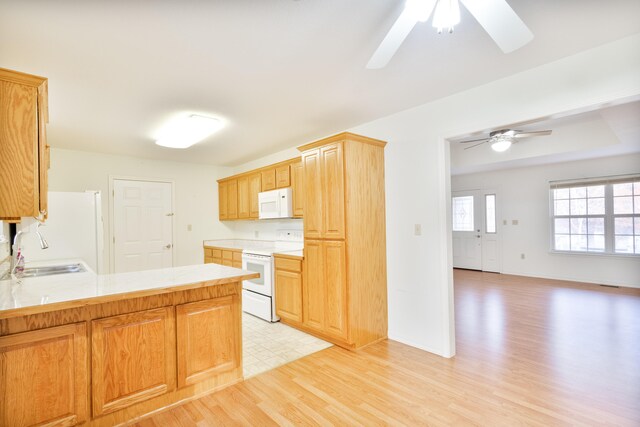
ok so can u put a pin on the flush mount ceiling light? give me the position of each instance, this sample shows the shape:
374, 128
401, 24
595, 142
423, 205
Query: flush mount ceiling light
185, 131
497, 18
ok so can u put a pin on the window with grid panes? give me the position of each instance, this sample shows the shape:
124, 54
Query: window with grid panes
600, 216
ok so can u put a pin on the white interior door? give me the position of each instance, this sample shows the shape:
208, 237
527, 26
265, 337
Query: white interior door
142, 232
476, 241
466, 224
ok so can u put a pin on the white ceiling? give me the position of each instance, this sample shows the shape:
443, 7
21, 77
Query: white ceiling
603, 132
279, 72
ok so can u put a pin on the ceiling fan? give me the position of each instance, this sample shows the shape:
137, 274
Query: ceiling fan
502, 139
496, 17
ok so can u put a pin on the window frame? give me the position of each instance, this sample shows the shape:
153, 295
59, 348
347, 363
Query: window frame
609, 216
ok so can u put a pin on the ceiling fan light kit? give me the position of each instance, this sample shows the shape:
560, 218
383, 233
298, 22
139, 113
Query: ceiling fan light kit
446, 15
501, 144
497, 18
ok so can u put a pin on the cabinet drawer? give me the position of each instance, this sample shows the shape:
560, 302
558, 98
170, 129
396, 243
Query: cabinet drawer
208, 252
227, 255
237, 256
288, 264
216, 253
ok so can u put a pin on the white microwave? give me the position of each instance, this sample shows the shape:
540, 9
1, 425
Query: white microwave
275, 204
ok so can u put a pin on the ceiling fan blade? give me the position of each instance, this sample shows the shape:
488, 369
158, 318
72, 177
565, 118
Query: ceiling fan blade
499, 20
534, 133
466, 148
475, 140
414, 11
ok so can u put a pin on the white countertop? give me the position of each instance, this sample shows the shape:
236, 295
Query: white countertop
48, 293
298, 253
259, 246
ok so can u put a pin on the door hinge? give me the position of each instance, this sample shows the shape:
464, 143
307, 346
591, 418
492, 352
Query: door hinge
169, 214
114, 239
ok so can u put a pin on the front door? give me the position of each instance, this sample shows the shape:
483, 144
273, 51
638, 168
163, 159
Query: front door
476, 244
142, 229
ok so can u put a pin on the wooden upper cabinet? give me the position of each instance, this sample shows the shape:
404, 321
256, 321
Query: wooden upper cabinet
268, 179
255, 186
133, 358
297, 185
323, 175
222, 201
283, 176
232, 199
44, 377
332, 175
244, 201
24, 153
208, 337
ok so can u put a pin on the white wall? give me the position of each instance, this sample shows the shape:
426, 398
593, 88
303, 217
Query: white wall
195, 198
418, 176
523, 194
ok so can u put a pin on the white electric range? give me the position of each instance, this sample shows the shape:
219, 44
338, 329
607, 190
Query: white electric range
258, 295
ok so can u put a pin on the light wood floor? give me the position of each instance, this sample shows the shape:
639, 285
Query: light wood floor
529, 352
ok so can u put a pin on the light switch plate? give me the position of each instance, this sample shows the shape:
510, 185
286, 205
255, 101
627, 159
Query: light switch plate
417, 230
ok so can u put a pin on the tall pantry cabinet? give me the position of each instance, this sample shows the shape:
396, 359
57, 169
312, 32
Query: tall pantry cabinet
345, 278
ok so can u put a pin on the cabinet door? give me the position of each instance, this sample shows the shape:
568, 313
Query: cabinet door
332, 172
44, 377
313, 285
255, 186
43, 147
312, 194
335, 281
133, 358
289, 295
297, 186
222, 201
243, 197
208, 339
18, 151
282, 176
268, 179
232, 199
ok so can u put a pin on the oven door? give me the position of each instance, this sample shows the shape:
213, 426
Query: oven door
258, 264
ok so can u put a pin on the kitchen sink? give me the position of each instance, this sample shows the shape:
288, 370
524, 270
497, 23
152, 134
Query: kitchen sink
53, 269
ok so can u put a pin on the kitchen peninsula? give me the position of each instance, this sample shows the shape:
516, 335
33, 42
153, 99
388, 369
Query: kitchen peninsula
104, 349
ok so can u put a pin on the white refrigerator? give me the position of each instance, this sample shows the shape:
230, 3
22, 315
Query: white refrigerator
74, 229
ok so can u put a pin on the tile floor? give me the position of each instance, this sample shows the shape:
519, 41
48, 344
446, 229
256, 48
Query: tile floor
269, 345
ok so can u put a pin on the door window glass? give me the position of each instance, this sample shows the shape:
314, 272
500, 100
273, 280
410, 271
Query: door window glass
490, 212
462, 209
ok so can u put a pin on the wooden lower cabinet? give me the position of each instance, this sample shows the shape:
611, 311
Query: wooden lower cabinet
208, 339
133, 358
227, 257
44, 377
325, 288
288, 289
122, 359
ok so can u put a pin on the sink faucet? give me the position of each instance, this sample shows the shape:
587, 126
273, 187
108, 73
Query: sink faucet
43, 241
17, 243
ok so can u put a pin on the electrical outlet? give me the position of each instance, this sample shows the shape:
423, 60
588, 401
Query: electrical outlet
256, 234
417, 230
